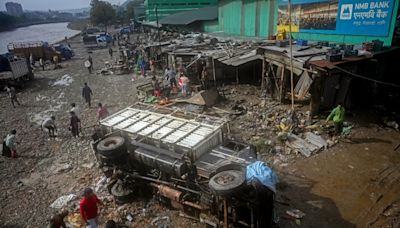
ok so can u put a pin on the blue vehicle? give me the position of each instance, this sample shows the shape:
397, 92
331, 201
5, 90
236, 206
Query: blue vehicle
65, 51
125, 30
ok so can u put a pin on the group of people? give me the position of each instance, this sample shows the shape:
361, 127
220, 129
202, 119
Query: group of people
75, 120
170, 76
9, 142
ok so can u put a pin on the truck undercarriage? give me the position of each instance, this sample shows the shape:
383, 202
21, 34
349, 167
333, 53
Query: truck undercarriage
183, 159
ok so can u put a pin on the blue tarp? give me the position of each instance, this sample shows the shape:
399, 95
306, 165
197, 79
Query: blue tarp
263, 173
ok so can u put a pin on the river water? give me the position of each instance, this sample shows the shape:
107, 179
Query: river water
46, 32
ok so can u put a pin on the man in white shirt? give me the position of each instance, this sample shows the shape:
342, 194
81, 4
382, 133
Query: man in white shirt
76, 110
50, 125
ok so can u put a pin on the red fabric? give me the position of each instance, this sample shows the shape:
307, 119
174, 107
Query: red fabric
88, 207
157, 93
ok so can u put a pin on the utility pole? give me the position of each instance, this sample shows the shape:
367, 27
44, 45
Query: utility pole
291, 53
158, 27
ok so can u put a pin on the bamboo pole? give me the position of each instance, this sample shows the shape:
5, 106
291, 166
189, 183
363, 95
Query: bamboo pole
291, 53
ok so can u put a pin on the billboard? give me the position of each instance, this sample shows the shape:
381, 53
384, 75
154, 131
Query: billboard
347, 17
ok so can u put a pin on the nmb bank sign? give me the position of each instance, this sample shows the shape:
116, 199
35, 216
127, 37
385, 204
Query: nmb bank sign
347, 17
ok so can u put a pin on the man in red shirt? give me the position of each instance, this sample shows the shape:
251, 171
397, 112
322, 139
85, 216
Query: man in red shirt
88, 207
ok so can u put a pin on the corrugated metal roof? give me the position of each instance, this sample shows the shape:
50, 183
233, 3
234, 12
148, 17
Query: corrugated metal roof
188, 17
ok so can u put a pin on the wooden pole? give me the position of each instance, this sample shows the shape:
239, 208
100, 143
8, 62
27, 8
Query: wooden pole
214, 75
291, 53
225, 214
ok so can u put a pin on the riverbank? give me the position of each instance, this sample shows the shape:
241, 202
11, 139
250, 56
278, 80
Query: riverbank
30, 23
78, 24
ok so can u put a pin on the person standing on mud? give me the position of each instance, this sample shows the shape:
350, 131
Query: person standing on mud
102, 112
184, 83
12, 94
87, 93
88, 207
75, 109
204, 78
41, 63
50, 125
110, 52
337, 116
74, 125
11, 143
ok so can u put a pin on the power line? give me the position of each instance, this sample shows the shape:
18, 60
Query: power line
366, 78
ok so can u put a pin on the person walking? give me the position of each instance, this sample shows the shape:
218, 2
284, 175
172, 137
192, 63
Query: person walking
88, 207
86, 93
12, 94
41, 63
50, 125
102, 112
337, 116
74, 125
110, 52
75, 109
91, 62
11, 143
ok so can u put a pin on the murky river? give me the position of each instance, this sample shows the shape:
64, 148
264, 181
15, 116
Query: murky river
46, 32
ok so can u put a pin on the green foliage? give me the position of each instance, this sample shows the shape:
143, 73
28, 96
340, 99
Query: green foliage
130, 11
7, 21
101, 12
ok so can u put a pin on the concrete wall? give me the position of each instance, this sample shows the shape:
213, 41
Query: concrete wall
251, 18
167, 7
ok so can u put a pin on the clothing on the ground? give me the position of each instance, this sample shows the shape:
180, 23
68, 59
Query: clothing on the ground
88, 207
337, 114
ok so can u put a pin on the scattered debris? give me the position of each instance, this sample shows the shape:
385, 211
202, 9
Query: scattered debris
62, 201
296, 213
65, 80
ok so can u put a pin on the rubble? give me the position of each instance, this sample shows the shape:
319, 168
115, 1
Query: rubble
62, 201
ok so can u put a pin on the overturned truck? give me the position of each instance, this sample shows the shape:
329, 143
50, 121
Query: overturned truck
184, 158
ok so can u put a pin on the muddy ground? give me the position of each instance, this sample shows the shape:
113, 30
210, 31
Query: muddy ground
354, 183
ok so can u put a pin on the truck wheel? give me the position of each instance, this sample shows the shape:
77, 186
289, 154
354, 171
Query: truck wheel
227, 182
112, 147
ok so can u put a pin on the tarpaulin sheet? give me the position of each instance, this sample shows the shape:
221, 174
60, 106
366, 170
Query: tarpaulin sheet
262, 173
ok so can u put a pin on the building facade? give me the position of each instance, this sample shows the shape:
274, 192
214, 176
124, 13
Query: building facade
163, 8
341, 21
14, 9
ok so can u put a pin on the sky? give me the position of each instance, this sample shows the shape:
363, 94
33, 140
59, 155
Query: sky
44, 5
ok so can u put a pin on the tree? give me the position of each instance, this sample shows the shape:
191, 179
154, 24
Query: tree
7, 21
101, 13
130, 11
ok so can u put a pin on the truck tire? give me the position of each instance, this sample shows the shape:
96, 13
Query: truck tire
31, 76
227, 182
112, 147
